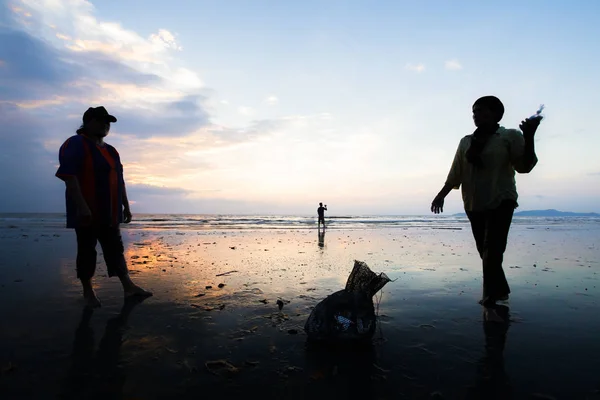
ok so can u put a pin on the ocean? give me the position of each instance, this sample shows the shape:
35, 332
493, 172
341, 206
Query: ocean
256, 222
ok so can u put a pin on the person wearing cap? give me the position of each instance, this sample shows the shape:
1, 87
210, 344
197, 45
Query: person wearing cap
96, 201
484, 166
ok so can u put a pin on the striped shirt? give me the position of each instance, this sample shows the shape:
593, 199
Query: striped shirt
100, 174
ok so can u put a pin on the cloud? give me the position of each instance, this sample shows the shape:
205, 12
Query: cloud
415, 67
143, 190
166, 39
42, 74
35, 71
23, 56
28, 168
252, 131
247, 111
453, 65
81, 32
57, 59
272, 100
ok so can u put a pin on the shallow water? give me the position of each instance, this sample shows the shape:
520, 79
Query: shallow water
432, 338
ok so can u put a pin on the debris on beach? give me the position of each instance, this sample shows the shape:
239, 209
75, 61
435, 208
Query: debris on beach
221, 285
221, 368
285, 371
540, 396
348, 314
207, 307
277, 318
8, 369
243, 333
281, 303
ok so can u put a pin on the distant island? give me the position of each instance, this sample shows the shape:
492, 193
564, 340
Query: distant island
547, 213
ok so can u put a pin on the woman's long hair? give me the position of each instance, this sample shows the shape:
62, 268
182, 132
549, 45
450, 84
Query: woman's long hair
81, 129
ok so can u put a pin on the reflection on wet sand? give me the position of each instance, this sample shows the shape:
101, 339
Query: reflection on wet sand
342, 371
210, 265
272, 280
492, 380
322, 239
150, 255
100, 376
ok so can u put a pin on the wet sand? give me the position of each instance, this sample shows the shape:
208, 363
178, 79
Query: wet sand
190, 341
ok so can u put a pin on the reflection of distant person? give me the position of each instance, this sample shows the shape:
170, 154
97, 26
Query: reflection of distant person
321, 238
321, 211
485, 165
96, 201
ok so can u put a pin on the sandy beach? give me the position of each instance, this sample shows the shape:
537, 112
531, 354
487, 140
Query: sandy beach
213, 326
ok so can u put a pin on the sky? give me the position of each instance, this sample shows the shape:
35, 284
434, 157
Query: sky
269, 107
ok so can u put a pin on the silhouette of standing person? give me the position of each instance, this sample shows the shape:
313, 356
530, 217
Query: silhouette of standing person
96, 201
484, 165
321, 212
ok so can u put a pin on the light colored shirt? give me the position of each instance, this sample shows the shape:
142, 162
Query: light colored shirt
485, 188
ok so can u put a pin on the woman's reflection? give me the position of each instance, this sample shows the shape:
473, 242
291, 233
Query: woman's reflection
492, 380
99, 376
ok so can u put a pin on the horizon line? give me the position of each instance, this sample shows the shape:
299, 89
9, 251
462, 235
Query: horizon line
298, 214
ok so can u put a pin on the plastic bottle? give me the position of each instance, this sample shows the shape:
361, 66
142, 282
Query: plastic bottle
538, 113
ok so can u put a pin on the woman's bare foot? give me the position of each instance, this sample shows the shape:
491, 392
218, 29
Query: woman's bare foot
503, 298
135, 290
92, 301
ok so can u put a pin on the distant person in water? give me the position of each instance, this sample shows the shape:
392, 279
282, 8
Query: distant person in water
321, 212
484, 165
96, 201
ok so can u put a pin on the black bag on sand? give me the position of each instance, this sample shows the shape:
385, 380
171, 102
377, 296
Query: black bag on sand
348, 314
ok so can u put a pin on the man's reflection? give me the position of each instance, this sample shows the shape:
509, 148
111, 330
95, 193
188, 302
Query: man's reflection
322, 239
99, 376
492, 380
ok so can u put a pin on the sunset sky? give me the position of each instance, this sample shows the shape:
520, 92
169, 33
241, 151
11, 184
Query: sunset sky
256, 107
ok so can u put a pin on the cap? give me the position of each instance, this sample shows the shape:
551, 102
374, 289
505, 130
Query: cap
99, 113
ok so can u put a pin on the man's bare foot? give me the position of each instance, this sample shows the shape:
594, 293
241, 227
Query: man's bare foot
135, 290
92, 301
490, 315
